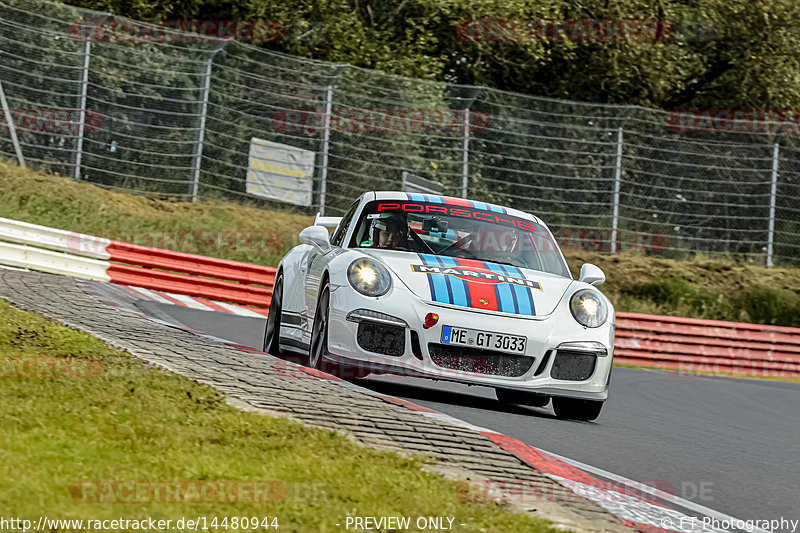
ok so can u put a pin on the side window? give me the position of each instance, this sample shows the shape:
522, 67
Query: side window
338, 235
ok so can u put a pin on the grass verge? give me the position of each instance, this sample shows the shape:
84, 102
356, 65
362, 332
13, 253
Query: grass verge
132, 422
214, 228
701, 287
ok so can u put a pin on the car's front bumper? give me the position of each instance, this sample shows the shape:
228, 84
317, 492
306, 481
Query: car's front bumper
544, 335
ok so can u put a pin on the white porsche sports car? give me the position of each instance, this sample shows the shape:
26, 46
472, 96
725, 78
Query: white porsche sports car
450, 289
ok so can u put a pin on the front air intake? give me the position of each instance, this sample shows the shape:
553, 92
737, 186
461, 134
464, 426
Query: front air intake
573, 365
381, 338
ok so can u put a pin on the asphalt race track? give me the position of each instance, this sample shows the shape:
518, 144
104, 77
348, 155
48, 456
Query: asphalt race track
731, 445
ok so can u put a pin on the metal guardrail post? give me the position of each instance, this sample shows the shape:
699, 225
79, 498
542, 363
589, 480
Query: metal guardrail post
617, 179
11, 128
201, 133
772, 197
87, 53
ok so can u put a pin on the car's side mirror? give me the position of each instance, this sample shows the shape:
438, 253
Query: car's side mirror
592, 274
316, 236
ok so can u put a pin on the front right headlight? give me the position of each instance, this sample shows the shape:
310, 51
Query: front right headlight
369, 277
588, 308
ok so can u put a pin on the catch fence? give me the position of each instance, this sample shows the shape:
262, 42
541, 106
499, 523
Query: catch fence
152, 112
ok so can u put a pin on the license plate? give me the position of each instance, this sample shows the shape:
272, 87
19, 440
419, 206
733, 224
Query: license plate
475, 338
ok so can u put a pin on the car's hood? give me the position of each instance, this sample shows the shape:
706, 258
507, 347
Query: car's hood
475, 284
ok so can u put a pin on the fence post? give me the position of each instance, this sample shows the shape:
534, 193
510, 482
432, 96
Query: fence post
772, 197
326, 138
617, 179
465, 145
465, 156
87, 53
326, 134
11, 128
201, 133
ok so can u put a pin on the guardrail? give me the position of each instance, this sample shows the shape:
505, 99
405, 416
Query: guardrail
697, 345
675, 343
56, 251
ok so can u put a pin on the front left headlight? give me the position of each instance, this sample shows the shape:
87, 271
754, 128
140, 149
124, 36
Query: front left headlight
588, 308
369, 277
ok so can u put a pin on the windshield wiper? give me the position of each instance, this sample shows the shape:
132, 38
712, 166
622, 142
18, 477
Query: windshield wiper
475, 258
504, 263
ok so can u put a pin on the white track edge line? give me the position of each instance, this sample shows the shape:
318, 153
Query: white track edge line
237, 310
190, 302
149, 294
650, 490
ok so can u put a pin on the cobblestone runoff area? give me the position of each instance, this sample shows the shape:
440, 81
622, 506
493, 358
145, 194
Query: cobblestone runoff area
260, 382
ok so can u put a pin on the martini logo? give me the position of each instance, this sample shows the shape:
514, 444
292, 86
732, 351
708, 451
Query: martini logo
479, 276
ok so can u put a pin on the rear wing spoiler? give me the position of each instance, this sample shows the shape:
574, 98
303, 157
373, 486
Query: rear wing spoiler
327, 222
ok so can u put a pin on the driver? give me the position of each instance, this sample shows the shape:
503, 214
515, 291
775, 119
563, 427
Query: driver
387, 231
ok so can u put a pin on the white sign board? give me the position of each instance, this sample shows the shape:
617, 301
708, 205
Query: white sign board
280, 172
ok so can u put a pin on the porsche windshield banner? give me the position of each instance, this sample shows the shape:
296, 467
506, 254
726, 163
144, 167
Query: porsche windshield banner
456, 211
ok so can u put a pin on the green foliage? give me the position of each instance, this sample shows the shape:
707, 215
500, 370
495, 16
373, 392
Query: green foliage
718, 54
755, 303
671, 291
770, 306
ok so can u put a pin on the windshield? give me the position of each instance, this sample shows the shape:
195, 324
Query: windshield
456, 231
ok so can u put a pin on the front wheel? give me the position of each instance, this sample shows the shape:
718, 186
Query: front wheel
319, 342
319, 331
272, 333
577, 409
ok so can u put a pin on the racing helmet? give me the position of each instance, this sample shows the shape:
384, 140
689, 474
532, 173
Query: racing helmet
393, 223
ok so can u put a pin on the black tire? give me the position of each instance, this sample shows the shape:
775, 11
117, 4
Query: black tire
530, 399
319, 342
576, 409
272, 332
319, 331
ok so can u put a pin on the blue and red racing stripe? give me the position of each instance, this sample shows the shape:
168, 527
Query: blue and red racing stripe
477, 293
446, 289
460, 202
523, 298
